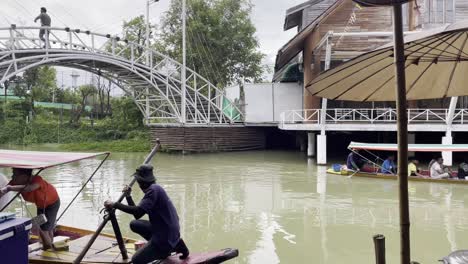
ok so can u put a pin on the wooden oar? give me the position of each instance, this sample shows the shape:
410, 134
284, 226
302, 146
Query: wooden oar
107, 218
350, 176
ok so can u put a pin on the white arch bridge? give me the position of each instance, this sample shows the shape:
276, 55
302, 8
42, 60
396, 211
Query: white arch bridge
153, 79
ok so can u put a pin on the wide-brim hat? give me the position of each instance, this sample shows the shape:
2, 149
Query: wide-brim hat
144, 173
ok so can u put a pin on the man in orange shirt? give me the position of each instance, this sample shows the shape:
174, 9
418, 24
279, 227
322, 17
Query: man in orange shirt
39, 192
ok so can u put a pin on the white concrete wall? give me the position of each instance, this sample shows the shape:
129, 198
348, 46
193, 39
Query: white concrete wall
266, 101
233, 92
258, 103
287, 96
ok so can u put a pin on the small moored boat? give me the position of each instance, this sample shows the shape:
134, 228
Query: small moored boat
85, 246
374, 171
105, 250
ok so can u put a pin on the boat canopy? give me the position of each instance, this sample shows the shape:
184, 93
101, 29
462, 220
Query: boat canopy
411, 147
40, 159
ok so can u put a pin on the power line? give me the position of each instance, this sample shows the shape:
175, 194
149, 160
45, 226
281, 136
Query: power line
209, 56
71, 15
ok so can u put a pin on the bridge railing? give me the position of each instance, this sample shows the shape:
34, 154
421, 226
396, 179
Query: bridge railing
372, 116
203, 101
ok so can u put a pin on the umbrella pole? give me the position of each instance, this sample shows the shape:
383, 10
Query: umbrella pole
402, 134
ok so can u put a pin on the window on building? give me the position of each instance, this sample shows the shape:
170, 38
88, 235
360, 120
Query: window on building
439, 11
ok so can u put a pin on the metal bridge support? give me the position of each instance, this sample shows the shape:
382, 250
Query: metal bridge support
322, 138
447, 155
310, 144
321, 149
411, 140
448, 139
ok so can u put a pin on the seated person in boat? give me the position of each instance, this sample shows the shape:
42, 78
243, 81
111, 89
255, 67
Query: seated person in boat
354, 161
438, 170
388, 166
463, 170
36, 190
162, 231
413, 167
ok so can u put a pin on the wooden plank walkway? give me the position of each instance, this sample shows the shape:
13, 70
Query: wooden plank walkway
104, 250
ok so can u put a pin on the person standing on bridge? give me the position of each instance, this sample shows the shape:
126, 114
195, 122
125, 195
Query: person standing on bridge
45, 22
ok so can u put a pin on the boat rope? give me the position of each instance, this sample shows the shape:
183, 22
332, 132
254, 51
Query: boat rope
84, 185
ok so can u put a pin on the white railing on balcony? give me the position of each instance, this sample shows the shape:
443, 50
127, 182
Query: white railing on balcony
372, 116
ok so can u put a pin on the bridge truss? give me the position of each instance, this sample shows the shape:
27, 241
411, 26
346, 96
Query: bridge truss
152, 79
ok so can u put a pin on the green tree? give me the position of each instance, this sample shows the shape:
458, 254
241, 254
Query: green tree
85, 92
126, 114
134, 30
221, 42
36, 84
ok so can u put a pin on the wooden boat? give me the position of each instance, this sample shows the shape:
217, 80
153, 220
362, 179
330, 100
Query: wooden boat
348, 173
106, 250
373, 171
80, 243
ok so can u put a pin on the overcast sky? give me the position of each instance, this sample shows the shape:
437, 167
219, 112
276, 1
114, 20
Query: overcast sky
106, 16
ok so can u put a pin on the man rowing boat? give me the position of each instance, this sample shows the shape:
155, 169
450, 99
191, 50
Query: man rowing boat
354, 161
162, 231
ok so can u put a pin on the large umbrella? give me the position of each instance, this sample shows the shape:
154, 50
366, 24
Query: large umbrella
436, 66
427, 65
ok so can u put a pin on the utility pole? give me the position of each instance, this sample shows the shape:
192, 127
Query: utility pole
148, 53
184, 63
148, 29
74, 76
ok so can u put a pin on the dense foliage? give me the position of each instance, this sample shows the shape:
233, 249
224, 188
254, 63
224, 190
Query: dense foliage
221, 42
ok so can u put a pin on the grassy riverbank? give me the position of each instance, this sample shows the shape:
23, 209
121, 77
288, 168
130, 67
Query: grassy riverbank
139, 145
122, 132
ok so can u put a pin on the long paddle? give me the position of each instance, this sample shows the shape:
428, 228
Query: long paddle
107, 217
350, 176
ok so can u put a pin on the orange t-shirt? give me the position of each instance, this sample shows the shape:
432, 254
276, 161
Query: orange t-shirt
43, 196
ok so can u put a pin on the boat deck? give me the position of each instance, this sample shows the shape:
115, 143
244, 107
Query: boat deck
395, 177
104, 250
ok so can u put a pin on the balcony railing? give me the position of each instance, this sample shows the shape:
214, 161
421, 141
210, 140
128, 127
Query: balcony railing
373, 116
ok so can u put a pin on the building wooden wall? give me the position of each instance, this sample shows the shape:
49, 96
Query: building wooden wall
209, 139
347, 17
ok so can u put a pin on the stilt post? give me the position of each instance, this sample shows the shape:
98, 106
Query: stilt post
379, 245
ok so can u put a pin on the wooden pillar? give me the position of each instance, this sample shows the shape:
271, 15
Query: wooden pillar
411, 27
311, 69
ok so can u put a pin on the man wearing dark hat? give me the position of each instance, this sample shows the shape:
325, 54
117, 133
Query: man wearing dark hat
162, 231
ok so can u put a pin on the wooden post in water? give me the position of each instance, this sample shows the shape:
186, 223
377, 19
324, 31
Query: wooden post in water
107, 218
379, 245
118, 234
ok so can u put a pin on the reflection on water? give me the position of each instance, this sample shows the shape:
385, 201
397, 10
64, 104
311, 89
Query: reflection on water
275, 207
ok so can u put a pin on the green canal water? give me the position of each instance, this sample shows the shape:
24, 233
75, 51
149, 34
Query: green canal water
275, 207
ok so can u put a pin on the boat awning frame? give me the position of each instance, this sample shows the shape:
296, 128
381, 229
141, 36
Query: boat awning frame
41, 160
411, 147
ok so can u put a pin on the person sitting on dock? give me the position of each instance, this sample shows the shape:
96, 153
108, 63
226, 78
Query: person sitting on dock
354, 162
36, 190
413, 167
388, 166
438, 171
162, 231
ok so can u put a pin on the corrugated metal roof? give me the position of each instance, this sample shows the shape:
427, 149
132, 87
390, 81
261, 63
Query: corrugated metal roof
295, 45
305, 13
